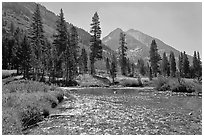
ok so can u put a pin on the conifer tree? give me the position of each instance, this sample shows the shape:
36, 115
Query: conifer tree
37, 43
96, 47
84, 60
128, 66
122, 53
195, 64
26, 58
17, 50
113, 68
74, 49
133, 69
154, 57
107, 65
199, 65
164, 65
168, 68
180, 64
150, 73
185, 65
141, 66
61, 42
172, 64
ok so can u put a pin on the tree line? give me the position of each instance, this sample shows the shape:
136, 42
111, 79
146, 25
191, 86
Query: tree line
33, 55
169, 67
36, 57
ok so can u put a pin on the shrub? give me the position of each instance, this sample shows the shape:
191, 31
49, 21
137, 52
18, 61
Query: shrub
131, 82
59, 94
161, 83
183, 88
187, 86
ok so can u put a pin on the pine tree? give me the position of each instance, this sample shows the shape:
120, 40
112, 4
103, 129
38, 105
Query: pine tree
96, 47
133, 69
180, 64
26, 58
150, 73
154, 57
122, 53
17, 49
37, 43
185, 65
107, 65
195, 64
164, 65
113, 68
53, 60
128, 66
61, 42
84, 60
199, 65
172, 64
141, 66
74, 49
168, 68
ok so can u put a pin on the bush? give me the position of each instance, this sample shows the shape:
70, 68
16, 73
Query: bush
59, 94
131, 82
183, 88
161, 83
187, 86
175, 85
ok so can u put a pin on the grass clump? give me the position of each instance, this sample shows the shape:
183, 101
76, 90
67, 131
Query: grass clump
24, 103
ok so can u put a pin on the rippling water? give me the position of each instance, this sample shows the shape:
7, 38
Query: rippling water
124, 111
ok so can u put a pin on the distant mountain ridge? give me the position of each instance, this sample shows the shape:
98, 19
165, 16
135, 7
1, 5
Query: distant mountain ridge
138, 44
20, 13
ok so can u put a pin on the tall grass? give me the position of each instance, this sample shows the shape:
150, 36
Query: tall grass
24, 103
175, 85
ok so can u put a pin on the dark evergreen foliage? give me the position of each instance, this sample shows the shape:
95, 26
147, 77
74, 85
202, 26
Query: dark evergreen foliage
113, 68
141, 66
96, 47
185, 65
37, 41
123, 54
164, 65
154, 58
180, 64
83, 61
172, 64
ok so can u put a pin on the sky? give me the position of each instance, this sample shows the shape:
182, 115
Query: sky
176, 24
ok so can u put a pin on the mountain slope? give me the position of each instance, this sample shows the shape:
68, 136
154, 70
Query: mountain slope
20, 13
136, 49
138, 44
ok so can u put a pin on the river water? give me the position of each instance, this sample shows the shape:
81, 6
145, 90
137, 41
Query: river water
124, 111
